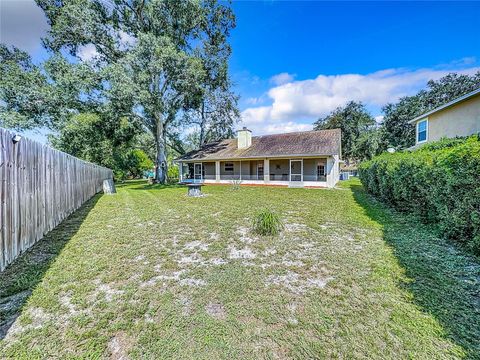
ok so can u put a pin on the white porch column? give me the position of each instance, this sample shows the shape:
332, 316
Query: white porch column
336, 169
332, 170
217, 171
180, 171
266, 170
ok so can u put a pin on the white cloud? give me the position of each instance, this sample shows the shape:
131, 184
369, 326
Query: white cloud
255, 100
379, 119
468, 60
465, 61
87, 52
256, 115
282, 78
282, 127
295, 102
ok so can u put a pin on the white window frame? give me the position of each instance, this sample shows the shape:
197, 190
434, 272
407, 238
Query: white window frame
324, 170
426, 131
225, 167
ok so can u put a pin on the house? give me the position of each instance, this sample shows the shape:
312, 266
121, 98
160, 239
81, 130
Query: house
459, 117
308, 158
348, 169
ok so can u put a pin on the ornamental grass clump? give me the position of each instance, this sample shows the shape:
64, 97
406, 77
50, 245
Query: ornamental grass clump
267, 222
235, 185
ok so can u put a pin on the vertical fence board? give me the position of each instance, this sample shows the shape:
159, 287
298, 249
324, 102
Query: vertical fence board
39, 187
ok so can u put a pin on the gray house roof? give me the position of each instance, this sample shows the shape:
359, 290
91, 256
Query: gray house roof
305, 143
447, 105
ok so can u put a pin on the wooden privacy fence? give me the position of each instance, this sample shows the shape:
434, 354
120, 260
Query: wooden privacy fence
39, 187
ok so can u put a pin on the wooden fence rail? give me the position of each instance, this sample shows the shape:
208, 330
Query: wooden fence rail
39, 187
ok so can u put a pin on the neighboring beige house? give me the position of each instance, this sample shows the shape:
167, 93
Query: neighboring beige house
460, 117
308, 158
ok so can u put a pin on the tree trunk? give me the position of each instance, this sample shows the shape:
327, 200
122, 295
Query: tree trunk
161, 158
165, 167
202, 126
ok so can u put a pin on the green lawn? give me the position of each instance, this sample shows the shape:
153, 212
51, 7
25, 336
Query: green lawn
151, 273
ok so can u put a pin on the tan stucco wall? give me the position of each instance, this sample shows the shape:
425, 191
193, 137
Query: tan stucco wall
462, 119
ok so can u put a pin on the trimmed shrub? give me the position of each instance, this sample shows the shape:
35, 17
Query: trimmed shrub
267, 222
440, 182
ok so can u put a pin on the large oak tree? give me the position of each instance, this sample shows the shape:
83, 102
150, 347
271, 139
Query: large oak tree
144, 60
355, 123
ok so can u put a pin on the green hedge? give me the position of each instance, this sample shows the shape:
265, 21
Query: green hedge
440, 182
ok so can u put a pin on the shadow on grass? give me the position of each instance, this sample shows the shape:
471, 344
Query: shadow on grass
139, 185
445, 279
19, 279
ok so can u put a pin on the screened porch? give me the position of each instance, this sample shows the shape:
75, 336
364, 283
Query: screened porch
274, 171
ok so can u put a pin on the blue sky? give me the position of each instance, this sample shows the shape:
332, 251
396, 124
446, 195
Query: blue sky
293, 62
331, 52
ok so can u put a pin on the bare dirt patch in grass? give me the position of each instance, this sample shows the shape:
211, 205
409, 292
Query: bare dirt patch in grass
295, 227
186, 304
194, 258
37, 318
119, 346
297, 283
106, 290
214, 236
139, 258
192, 282
216, 310
245, 253
216, 262
172, 276
244, 237
66, 301
196, 245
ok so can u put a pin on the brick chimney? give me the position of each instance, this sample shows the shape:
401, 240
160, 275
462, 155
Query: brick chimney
244, 137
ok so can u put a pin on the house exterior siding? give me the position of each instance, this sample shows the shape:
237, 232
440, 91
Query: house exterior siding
461, 119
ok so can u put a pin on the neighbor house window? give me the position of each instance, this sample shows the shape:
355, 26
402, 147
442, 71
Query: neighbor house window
229, 166
422, 131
